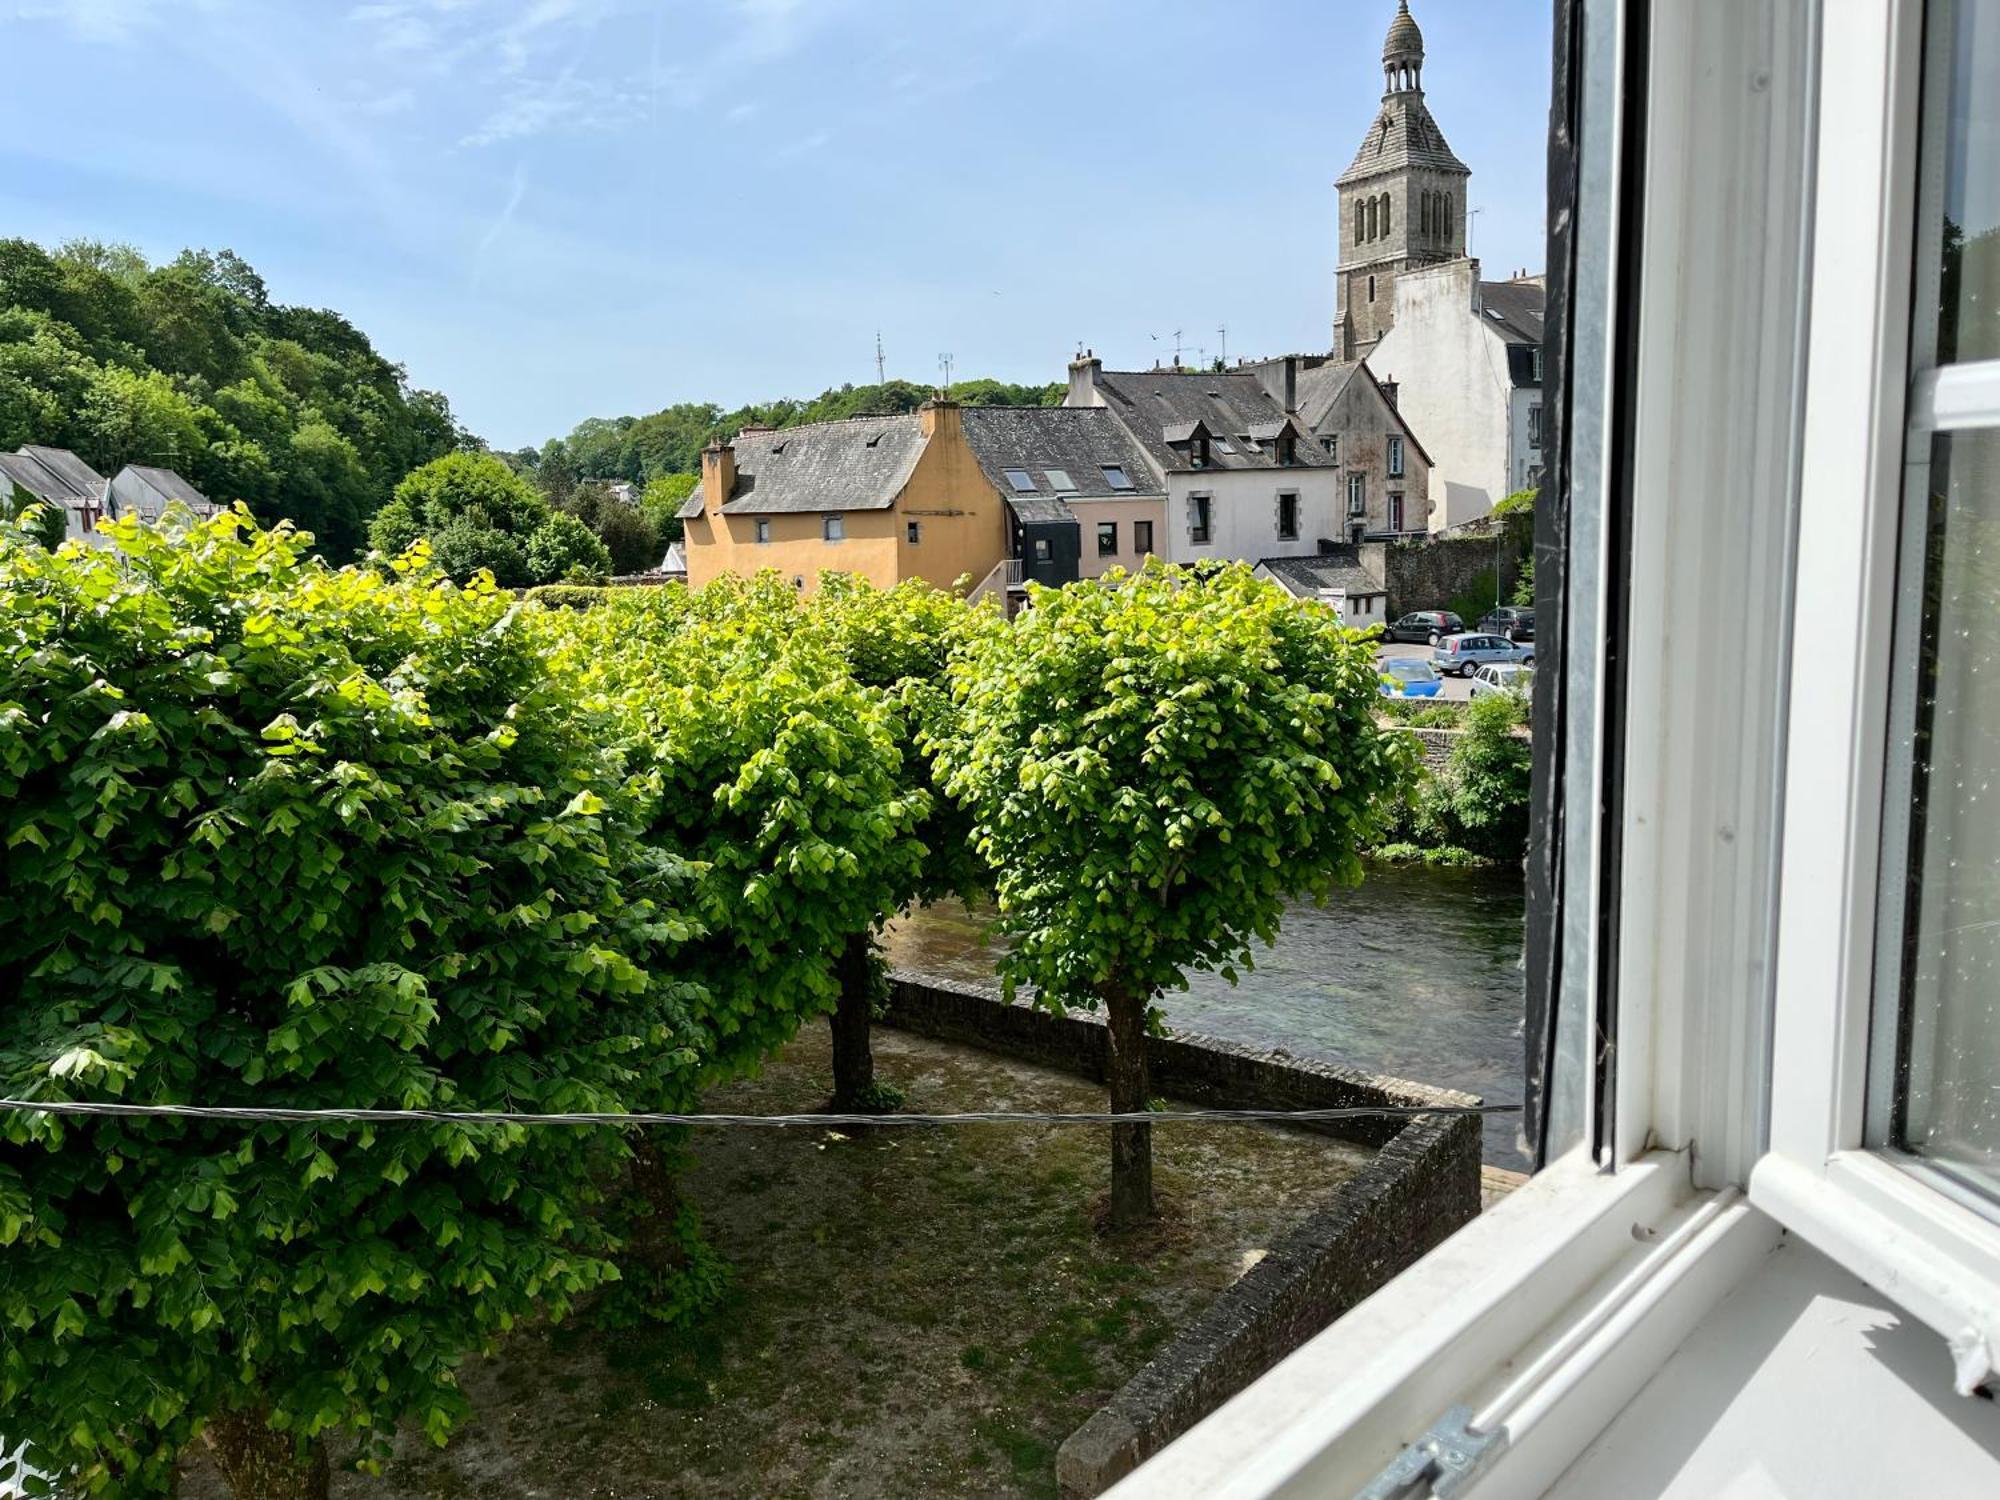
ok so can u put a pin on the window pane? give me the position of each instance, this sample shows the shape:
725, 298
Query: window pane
1967, 122
1948, 1094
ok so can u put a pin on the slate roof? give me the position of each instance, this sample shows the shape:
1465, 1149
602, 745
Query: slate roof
1304, 577
861, 463
1514, 309
1403, 135
1041, 510
1152, 403
170, 484
33, 477
82, 480
1322, 385
1079, 440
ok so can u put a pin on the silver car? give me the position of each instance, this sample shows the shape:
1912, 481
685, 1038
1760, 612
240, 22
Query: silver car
1516, 677
1462, 655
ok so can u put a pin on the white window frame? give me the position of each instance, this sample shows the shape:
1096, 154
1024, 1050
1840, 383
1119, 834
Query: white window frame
1395, 457
1827, 1176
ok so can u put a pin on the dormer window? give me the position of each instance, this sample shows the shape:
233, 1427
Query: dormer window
1198, 454
1288, 449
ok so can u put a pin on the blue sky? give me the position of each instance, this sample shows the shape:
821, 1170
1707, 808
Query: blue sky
552, 209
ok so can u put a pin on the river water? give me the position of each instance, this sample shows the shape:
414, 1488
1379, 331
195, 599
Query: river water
1416, 972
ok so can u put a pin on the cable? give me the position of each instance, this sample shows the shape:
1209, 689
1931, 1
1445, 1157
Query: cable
249, 1115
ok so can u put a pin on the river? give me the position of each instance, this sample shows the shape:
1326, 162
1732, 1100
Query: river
1416, 972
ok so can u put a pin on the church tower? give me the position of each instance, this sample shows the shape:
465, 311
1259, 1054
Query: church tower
1402, 202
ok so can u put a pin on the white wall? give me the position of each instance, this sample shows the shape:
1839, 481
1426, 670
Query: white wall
1452, 387
1243, 518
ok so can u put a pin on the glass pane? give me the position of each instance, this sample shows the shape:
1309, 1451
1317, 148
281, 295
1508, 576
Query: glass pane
1948, 1096
1967, 121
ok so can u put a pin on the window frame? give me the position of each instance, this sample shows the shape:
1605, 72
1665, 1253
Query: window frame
760, 531
1395, 456
1291, 533
1201, 518
913, 533
833, 527
1123, 483
1020, 481
1104, 527
1828, 1176
1142, 539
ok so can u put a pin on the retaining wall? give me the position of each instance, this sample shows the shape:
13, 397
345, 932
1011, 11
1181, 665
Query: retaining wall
1422, 1184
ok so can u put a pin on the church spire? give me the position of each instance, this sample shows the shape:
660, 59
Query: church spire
1403, 54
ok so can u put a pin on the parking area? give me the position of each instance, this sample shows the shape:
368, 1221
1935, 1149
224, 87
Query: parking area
1455, 689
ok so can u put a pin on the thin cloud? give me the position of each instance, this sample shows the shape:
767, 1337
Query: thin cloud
119, 22
497, 230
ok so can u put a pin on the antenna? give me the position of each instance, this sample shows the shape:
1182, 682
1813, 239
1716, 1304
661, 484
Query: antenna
1177, 348
944, 367
881, 378
1222, 344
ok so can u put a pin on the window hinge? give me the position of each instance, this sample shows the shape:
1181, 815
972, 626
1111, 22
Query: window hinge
1448, 1456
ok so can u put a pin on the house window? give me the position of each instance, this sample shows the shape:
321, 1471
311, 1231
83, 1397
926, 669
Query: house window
1043, 551
1395, 510
1332, 442
1396, 456
763, 532
1107, 538
833, 528
1198, 519
1059, 481
1288, 516
914, 532
1534, 426
1288, 450
1357, 494
1198, 455
1142, 538
1115, 476
1022, 481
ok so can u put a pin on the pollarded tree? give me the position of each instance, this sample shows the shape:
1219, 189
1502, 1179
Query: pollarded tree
280, 834
754, 754
897, 644
1153, 768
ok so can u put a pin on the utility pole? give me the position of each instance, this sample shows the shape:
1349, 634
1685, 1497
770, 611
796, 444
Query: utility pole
881, 377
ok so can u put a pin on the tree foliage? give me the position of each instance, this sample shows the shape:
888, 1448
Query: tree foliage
278, 833
1152, 771
192, 366
477, 513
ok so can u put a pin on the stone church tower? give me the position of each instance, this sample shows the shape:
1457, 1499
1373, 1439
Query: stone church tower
1402, 202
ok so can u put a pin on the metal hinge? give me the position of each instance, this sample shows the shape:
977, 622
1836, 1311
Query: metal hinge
1448, 1455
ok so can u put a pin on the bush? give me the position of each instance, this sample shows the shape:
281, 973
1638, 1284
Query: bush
569, 595
1423, 713
564, 550
283, 834
1477, 805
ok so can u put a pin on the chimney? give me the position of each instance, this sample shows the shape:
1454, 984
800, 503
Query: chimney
1083, 373
1291, 384
718, 475
939, 415
1389, 391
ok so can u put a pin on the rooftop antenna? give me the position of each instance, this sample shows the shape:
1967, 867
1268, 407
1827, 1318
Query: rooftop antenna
1177, 348
1222, 344
944, 367
881, 377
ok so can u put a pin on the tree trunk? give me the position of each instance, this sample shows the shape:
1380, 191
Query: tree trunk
263, 1464
853, 1052
1125, 1072
652, 1246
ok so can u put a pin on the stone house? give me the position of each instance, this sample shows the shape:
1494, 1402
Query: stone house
1385, 471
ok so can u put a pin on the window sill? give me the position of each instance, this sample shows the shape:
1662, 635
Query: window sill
1546, 1315
1937, 1258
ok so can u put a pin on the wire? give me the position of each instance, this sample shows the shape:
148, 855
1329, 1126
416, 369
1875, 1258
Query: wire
260, 1114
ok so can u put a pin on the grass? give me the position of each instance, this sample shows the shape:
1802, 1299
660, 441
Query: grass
913, 1311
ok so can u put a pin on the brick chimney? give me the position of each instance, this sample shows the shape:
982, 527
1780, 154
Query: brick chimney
939, 415
1083, 373
1291, 384
718, 475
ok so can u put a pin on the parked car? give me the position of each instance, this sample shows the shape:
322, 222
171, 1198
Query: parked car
1514, 677
1427, 625
1462, 655
1515, 623
1409, 677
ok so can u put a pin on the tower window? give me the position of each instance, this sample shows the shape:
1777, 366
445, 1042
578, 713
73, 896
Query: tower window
1388, 215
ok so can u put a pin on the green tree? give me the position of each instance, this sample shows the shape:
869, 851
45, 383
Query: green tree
1152, 770
477, 513
661, 504
564, 550
897, 644
283, 834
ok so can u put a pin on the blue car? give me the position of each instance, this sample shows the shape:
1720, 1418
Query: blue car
1409, 677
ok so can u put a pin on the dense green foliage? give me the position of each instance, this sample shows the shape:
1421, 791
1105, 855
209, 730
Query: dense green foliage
1152, 771
190, 365
1475, 808
477, 513
278, 833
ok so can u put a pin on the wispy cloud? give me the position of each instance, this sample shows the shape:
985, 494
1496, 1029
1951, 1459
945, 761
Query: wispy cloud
497, 230
805, 145
116, 21
536, 106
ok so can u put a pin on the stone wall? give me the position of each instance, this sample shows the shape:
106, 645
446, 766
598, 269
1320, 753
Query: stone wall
1422, 1184
1430, 574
